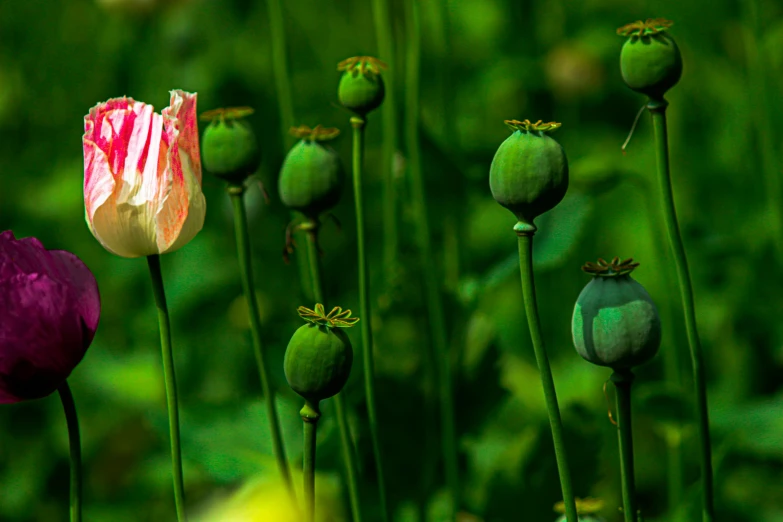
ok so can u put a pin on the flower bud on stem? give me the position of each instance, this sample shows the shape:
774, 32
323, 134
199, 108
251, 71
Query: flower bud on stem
339, 401
317, 365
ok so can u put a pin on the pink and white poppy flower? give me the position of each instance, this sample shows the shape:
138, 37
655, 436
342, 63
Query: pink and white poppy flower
142, 175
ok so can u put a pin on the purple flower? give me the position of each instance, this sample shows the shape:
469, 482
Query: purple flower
49, 310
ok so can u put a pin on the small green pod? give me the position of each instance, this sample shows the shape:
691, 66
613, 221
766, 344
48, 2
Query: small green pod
650, 61
312, 176
361, 87
615, 322
529, 173
229, 148
318, 358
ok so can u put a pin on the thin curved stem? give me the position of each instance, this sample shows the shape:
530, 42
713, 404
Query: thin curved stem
622, 381
658, 111
534, 324
248, 287
383, 30
339, 401
170, 380
672, 360
74, 443
366, 314
431, 277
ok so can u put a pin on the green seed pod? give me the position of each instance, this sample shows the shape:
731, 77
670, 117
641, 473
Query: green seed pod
319, 356
361, 88
650, 60
312, 175
529, 173
615, 322
229, 148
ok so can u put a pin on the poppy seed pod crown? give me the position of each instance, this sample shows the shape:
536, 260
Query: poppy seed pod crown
229, 147
650, 61
312, 175
529, 173
615, 322
319, 356
361, 88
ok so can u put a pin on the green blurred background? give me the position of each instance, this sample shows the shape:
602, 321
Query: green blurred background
483, 61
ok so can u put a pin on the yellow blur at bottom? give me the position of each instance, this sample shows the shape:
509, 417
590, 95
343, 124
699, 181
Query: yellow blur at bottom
264, 500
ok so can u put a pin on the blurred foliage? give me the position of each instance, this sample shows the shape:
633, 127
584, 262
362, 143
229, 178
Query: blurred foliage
484, 61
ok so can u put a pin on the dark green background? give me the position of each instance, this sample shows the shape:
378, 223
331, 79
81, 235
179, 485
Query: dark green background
483, 61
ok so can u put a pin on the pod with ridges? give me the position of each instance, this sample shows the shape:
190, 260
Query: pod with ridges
615, 322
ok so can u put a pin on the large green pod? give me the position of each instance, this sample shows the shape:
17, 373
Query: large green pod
650, 61
312, 176
615, 322
229, 148
529, 173
319, 356
361, 87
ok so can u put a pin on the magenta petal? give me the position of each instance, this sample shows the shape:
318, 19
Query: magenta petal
83, 284
28, 256
20, 256
42, 336
49, 311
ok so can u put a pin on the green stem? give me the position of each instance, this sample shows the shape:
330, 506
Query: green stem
658, 111
339, 400
358, 125
280, 66
431, 277
763, 105
672, 360
383, 29
525, 235
438, 33
170, 380
622, 380
310, 415
248, 287
284, 101
74, 442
